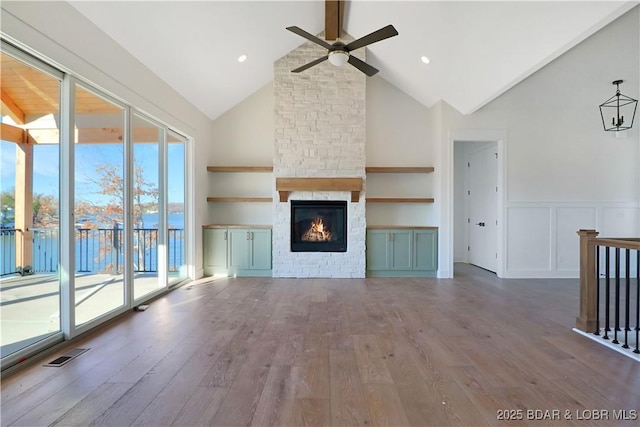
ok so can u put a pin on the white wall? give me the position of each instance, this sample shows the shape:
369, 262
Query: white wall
563, 171
243, 136
400, 132
56, 31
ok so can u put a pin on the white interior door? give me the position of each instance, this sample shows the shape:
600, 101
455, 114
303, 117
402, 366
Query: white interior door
483, 207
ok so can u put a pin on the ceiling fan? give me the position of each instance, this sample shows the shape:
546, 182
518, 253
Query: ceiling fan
338, 53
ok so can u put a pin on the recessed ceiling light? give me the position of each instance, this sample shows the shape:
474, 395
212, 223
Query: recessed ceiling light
425, 59
242, 58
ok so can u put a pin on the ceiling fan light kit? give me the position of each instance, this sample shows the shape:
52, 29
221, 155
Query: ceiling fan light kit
339, 58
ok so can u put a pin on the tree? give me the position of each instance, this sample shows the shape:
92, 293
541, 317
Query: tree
110, 182
45, 210
7, 206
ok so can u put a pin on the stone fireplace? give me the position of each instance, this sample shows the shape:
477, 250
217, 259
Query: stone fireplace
319, 132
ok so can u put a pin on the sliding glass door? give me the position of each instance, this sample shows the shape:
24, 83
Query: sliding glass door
149, 247
99, 211
29, 202
176, 204
92, 210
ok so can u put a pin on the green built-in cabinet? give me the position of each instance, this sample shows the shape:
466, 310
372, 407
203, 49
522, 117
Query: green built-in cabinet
236, 251
402, 252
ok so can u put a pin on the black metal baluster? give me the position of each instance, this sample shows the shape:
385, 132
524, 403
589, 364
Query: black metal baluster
145, 236
143, 252
85, 241
80, 252
87, 258
138, 250
173, 247
147, 243
155, 250
121, 251
607, 290
637, 350
627, 282
617, 306
597, 331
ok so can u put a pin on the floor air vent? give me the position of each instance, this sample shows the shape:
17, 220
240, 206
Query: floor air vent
67, 357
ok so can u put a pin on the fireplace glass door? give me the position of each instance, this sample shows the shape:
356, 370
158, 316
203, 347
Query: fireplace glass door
318, 226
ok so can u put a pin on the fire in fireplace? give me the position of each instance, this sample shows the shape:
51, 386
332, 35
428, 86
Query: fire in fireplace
318, 226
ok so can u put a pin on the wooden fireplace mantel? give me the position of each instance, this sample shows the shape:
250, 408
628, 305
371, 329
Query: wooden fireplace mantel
286, 185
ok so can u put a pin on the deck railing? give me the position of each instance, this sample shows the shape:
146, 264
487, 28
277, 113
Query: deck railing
97, 250
8, 251
609, 288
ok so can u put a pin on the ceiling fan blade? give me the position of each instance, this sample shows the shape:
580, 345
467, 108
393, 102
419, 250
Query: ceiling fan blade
310, 37
310, 64
376, 36
362, 66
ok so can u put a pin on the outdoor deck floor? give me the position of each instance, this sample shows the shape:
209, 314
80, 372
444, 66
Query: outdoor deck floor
30, 305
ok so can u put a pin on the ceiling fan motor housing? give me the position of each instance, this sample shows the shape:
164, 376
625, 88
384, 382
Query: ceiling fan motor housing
338, 46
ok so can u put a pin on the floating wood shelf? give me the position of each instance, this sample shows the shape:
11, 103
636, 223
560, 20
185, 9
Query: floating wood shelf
286, 185
399, 200
240, 168
239, 199
399, 169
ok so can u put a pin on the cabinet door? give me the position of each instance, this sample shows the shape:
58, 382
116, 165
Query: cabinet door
238, 249
378, 242
425, 250
215, 251
401, 249
260, 249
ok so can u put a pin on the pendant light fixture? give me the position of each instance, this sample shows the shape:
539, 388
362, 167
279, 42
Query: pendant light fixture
620, 108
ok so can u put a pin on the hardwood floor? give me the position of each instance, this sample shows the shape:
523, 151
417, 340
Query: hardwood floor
423, 352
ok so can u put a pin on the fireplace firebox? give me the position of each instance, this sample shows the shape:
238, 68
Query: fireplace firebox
318, 226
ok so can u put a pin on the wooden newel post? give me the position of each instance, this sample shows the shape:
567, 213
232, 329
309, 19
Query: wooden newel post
586, 321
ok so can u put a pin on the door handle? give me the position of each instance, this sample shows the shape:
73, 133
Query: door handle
481, 224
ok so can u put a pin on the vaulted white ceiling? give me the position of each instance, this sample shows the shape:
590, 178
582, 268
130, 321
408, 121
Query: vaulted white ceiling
477, 49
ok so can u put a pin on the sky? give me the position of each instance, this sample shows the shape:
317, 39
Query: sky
46, 165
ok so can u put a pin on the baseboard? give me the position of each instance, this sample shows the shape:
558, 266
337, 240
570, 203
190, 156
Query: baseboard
541, 274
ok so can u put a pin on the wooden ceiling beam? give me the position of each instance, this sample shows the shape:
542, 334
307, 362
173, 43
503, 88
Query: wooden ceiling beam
333, 19
11, 109
94, 135
12, 133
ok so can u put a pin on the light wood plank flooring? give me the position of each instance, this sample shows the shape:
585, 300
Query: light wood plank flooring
422, 352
